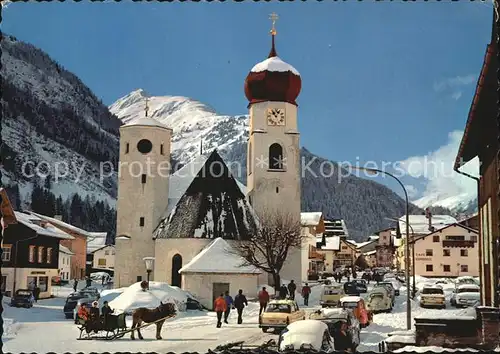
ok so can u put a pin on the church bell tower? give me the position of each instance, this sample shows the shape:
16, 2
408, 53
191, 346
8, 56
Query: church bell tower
273, 158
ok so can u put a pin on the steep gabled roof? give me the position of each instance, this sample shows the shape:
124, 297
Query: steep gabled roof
218, 257
212, 206
36, 224
310, 218
421, 237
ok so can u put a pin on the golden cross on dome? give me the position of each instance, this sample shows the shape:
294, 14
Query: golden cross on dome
146, 109
273, 17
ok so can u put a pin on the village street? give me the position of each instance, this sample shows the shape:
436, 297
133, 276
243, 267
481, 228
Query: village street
44, 329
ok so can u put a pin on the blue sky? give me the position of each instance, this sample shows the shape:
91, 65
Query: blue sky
381, 81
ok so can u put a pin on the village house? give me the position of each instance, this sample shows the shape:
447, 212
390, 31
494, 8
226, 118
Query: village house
480, 140
347, 254
65, 263
471, 221
313, 226
31, 254
451, 251
385, 247
371, 258
77, 245
103, 258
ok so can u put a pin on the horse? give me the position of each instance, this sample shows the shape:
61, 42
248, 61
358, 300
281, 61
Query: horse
143, 314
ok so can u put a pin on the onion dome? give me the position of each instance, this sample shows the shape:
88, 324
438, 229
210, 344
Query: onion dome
273, 80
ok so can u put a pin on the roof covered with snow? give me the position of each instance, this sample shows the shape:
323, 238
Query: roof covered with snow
212, 206
60, 223
420, 224
96, 244
370, 253
218, 257
146, 121
274, 64
65, 250
336, 227
332, 243
310, 219
40, 227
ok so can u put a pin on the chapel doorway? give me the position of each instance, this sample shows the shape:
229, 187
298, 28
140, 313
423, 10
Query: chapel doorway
176, 266
217, 289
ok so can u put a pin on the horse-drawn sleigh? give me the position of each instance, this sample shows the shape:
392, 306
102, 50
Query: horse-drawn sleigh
114, 326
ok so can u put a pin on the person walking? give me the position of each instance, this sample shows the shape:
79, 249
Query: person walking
220, 307
283, 292
306, 291
263, 299
291, 289
36, 293
229, 303
106, 311
240, 301
75, 284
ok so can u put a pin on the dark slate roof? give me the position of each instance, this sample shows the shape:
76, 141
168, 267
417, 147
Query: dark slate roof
212, 206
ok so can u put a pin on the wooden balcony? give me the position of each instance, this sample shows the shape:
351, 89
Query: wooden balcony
313, 254
458, 243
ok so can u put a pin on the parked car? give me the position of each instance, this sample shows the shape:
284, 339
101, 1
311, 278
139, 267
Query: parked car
91, 291
357, 305
361, 285
306, 335
22, 298
394, 283
279, 314
432, 296
378, 300
350, 288
465, 295
333, 318
331, 295
72, 301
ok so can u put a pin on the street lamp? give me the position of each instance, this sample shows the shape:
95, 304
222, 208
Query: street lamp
407, 244
412, 255
150, 264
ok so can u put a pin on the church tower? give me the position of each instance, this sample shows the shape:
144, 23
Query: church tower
142, 194
273, 158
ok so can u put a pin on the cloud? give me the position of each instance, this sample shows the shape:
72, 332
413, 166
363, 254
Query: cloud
435, 169
411, 190
452, 86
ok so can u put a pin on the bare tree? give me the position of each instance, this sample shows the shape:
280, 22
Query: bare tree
278, 233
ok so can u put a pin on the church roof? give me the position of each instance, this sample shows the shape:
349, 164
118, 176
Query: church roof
211, 206
218, 257
147, 121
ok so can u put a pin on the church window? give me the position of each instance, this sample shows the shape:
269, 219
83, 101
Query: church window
276, 157
141, 221
277, 189
161, 149
143, 179
127, 147
144, 146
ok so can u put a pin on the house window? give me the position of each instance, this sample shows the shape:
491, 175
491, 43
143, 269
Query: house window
3, 286
32, 254
49, 255
428, 253
101, 262
435, 238
112, 253
143, 179
276, 157
446, 253
127, 148
161, 149
463, 253
6, 249
428, 268
141, 221
473, 238
106, 253
446, 268
40, 254
43, 284
464, 268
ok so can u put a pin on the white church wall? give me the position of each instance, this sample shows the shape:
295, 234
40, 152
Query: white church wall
201, 285
165, 249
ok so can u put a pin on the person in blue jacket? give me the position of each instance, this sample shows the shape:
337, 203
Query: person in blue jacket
229, 303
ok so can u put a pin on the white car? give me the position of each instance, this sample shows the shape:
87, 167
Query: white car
306, 335
432, 296
466, 295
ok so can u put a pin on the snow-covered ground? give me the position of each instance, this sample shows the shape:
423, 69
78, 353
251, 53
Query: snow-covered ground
44, 329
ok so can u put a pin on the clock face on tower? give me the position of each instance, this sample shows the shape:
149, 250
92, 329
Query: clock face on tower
275, 116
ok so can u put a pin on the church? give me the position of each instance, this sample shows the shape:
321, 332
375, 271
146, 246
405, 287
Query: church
185, 219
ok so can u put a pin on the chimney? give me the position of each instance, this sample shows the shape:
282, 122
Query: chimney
428, 215
58, 217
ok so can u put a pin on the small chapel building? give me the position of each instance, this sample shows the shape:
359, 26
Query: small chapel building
184, 219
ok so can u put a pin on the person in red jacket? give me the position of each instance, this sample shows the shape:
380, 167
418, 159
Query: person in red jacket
306, 291
263, 299
220, 307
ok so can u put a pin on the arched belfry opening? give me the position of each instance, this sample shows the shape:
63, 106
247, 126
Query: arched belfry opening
276, 158
176, 266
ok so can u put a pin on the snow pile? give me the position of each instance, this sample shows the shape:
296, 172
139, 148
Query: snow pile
110, 294
134, 297
432, 349
10, 328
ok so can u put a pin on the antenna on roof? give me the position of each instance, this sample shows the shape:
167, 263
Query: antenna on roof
146, 109
201, 146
